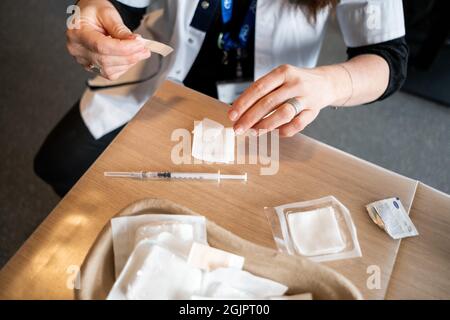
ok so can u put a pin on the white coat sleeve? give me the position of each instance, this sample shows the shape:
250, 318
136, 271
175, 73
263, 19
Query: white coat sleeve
366, 22
136, 3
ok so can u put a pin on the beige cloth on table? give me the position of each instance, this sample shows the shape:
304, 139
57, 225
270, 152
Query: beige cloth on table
298, 273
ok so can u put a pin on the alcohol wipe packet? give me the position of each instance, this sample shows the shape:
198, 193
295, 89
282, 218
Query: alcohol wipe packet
391, 216
321, 229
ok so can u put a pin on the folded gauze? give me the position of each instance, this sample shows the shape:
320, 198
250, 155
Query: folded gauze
213, 142
315, 232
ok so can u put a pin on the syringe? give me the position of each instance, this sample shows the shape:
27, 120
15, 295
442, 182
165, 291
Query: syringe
166, 175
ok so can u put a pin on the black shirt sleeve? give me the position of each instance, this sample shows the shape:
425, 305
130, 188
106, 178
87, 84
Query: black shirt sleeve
131, 16
395, 52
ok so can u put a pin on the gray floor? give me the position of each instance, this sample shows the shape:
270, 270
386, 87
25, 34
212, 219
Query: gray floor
39, 82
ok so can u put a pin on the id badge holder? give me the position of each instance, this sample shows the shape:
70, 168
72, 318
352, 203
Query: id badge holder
228, 91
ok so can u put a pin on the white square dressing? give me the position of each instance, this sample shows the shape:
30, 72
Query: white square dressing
127, 230
153, 272
171, 235
184, 231
158, 266
239, 284
208, 258
315, 232
213, 142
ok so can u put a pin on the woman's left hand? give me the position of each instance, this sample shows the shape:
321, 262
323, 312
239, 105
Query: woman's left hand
312, 87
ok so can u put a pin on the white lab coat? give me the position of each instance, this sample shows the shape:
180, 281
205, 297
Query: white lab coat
283, 34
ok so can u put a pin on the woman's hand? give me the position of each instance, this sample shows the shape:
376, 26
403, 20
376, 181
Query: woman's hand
104, 41
312, 87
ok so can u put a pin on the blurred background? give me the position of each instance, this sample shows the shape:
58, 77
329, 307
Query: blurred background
408, 133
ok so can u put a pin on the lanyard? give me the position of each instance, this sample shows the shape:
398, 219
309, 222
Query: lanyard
225, 41
227, 10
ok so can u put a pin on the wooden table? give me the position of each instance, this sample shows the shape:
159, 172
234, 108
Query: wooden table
43, 267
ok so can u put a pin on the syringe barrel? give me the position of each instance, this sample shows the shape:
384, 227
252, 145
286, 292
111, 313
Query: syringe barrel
234, 176
194, 175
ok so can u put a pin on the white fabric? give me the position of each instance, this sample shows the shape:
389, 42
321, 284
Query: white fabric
136, 3
315, 232
213, 142
367, 22
283, 34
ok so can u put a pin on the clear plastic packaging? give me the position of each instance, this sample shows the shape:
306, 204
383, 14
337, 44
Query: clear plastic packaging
175, 236
128, 231
154, 272
320, 229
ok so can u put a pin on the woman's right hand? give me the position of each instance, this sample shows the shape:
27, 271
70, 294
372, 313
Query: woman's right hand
102, 40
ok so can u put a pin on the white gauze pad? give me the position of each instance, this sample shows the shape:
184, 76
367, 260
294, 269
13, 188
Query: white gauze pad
315, 232
213, 142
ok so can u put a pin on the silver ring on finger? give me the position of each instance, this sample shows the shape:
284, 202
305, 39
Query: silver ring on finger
297, 105
94, 68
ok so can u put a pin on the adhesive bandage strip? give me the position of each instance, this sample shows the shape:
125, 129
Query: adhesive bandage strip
157, 47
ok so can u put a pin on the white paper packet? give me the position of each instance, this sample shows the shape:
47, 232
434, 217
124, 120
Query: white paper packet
153, 272
175, 236
158, 267
209, 258
239, 284
213, 142
390, 215
320, 229
124, 232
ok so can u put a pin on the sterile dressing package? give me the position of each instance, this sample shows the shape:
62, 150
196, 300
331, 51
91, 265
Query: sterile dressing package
208, 258
233, 283
213, 142
169, 259
153, 272
321, 229
127, 230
